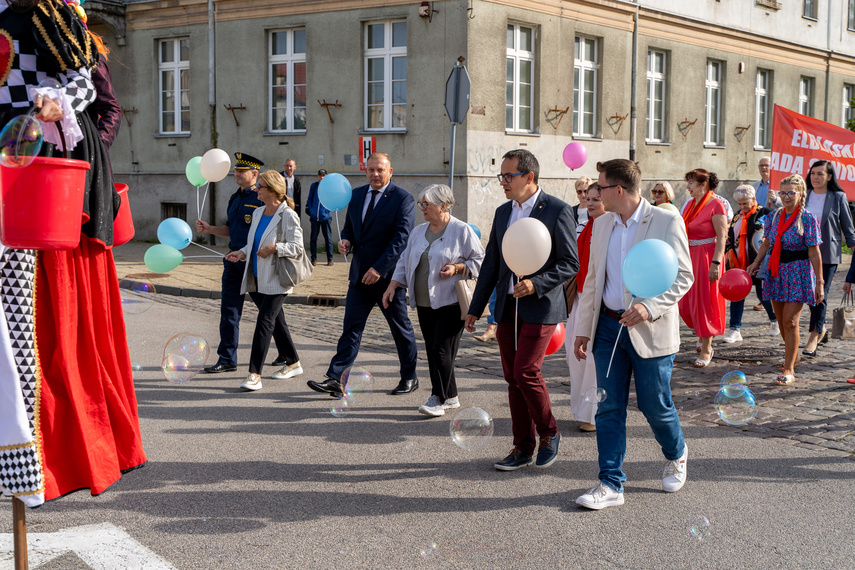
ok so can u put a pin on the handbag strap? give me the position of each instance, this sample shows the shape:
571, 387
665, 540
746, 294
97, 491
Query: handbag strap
848, 301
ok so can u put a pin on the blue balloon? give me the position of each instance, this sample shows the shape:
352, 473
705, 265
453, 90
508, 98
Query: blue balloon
175, 233
649, 268
334, 192
476, 230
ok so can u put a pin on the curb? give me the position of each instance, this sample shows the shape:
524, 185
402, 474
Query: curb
313, 300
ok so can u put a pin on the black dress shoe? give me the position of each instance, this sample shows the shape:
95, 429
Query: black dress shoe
328, 386
824, 338
280, 361
406, 386
220, 367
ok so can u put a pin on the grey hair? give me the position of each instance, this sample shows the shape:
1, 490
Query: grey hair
438, 194
744, 191
669, 191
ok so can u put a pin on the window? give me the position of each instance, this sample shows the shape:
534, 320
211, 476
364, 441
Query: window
851, 24
286, 65
585, 87
762, 93
806, 96
173, 210
519, 85
713, 114
848, 107
656, 96
173, 66
809, 8
386, 76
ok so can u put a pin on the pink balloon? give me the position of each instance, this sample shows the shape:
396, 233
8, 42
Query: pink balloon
575, 155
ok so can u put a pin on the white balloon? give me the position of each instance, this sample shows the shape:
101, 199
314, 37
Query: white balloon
526, 246
215, 165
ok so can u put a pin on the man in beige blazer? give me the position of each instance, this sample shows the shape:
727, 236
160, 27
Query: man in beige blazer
646, 348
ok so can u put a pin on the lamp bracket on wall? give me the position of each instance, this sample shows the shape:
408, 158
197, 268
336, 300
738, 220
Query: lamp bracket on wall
617, 120
556, 113
685, 126
327, 106
125, 113
233, 109
739, 132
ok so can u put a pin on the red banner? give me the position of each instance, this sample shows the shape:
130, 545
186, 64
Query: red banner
798, 141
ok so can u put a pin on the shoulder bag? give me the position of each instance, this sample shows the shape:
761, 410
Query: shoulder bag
843, 318
291, 270
465, 288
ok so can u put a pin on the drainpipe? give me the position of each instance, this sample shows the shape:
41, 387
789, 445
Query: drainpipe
212, 103
827, 62
633, 105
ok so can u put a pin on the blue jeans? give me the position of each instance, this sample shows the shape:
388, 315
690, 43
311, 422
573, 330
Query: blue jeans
738, 307
653, 389
491, 319
817, 312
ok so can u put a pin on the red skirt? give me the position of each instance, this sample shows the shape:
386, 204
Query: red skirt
88, 422
702, 308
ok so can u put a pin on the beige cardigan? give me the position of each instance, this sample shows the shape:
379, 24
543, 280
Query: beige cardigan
267, 281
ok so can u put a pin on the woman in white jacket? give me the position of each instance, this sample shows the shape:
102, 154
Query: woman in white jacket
260, 279
439, 252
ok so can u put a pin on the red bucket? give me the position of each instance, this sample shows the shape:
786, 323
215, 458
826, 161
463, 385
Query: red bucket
41, 205
123, 225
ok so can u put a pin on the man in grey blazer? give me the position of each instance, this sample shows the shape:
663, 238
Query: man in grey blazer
646, 348
542, 305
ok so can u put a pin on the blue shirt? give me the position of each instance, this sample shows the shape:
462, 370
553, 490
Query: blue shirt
762, 193
314, 208
259, 231
241, 206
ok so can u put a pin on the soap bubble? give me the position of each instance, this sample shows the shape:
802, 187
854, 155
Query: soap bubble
471, 429
137, 296
595, 395
700, 528
734, 378
340, 407
184, 356
357, 384
20, 141
136, 366
429, 550
50, 82
735, 404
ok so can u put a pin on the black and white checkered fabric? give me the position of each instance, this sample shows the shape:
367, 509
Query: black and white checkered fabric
22, 76
79, 89
20, 469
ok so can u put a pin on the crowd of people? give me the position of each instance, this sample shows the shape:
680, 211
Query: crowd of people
788, 240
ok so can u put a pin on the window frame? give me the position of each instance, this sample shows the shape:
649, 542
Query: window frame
848, 110
762, 94
176, 67
517, 55
810, 9
806, 96
290, 59
654, 77
851, 16
713, 87
388, 53
580, 66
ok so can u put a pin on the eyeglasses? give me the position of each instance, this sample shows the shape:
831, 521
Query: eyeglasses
262, 186
658, 192
506, 178
424, 204
787, 194
601, 188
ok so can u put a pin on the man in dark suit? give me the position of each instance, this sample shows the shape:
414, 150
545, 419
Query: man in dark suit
379, 219
542, 305
294, 190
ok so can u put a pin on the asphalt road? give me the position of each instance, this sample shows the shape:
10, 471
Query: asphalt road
272, 480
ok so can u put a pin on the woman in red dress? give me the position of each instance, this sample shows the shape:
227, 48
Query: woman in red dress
702, 308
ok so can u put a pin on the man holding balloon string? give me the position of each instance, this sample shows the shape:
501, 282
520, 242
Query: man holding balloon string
530, 254
242, 204
639, 268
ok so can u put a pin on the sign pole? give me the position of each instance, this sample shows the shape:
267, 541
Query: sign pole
457, 88
451, 158
19, 525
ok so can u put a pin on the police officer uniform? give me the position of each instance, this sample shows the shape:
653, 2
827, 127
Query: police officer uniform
242, 204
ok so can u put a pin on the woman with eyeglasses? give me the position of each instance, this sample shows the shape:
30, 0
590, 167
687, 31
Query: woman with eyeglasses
260, 276
662, 193
439, 252
702, 308
794, 276
827, 202
580, 211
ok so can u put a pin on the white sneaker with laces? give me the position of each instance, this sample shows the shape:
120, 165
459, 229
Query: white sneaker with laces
773, 329
600, 497
432, 408
674, 475
733, 335
252, 383
288, 371
451, 403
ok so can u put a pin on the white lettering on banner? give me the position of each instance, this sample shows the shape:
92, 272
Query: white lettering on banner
801, 139
788, 163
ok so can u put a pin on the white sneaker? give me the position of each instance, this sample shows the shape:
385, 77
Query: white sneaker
451, 403
432, 408
252, 383
733, 335
600, 497
773, 329
288, 371
674, 475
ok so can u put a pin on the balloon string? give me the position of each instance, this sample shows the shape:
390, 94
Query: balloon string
198, 209
338, 227
205, 197
614, 348
207, 248
516, 317
193, 256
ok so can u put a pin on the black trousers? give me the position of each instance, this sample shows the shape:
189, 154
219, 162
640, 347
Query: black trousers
271, 320
324, 227
442, 329
817, 312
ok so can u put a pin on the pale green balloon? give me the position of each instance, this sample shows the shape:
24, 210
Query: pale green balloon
163, 258
193, 172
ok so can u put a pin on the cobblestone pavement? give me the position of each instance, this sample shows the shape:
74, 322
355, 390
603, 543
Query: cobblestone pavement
816, 411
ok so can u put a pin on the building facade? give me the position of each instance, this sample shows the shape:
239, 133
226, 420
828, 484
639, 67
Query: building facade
309, 79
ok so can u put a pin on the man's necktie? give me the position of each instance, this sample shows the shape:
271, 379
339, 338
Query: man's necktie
370, 204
